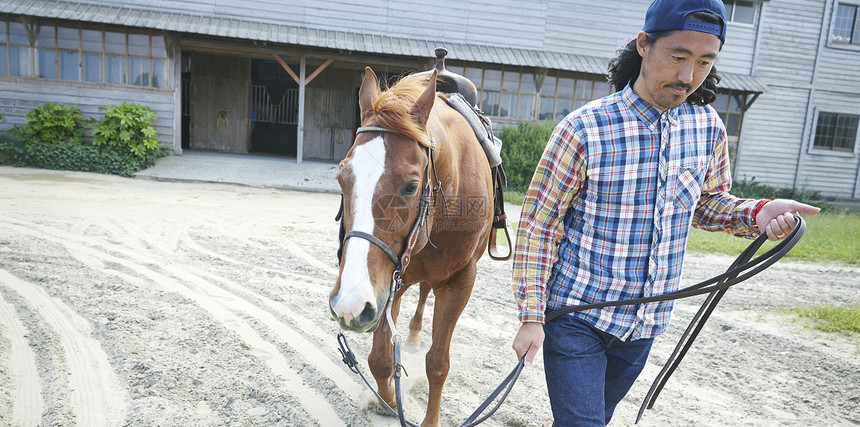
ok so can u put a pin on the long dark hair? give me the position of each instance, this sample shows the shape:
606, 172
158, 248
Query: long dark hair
624, 68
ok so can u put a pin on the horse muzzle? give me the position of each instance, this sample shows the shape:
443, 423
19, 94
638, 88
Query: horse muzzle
356, 317
367, 320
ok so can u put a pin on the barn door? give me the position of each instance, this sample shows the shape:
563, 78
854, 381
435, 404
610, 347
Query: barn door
220, 102
332, 119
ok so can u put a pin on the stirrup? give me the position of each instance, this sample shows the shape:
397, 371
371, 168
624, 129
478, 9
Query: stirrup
492, 248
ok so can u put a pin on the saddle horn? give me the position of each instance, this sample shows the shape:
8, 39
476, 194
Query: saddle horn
448, 82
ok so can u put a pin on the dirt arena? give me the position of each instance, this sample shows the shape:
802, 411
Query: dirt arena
144, 303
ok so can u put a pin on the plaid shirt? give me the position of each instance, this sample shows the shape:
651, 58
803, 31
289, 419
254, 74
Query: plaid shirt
609, 209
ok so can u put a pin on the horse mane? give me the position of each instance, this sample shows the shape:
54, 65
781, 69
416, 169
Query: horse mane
392, 109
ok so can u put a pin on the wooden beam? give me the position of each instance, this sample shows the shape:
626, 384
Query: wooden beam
318, 70
31, 28
300, 129
287, 67
175, 50
348, 59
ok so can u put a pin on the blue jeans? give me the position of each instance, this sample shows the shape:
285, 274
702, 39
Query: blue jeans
588, 371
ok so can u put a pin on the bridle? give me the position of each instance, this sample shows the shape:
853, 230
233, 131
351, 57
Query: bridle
401, 262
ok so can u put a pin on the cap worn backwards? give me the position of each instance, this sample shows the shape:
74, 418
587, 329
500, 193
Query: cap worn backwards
670, 15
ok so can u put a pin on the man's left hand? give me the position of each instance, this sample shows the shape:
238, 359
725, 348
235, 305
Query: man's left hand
776, 218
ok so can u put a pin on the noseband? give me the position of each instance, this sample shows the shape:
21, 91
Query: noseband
402, 261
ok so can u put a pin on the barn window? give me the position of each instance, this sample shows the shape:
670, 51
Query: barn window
836, 132
20, 53
569, 91
520, 93
68, 42
740, 12
59, 50
845, 28
730, 105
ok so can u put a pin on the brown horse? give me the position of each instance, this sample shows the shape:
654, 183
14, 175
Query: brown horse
410, 140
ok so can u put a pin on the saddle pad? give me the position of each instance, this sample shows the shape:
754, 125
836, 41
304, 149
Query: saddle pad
492, 146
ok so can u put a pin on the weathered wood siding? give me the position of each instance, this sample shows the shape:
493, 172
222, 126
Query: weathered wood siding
598, 28
789, 41
584, 27
479, 21
778, 130
832, 173
593, 28
770, 137
18, 95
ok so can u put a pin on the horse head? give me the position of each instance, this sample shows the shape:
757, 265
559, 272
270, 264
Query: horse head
381, 178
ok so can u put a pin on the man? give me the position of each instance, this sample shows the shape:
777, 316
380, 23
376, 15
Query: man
608, 212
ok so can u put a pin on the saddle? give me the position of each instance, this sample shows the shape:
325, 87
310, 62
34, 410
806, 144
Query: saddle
461, 95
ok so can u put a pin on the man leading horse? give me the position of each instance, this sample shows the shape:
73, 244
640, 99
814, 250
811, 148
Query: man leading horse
611, 203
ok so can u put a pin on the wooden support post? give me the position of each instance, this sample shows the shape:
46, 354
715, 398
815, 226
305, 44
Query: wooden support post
301, 125
302, 81
174, 49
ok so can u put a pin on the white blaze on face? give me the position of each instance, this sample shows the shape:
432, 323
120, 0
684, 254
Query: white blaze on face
356, 289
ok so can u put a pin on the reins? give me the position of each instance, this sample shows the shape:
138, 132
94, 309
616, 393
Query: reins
715, 286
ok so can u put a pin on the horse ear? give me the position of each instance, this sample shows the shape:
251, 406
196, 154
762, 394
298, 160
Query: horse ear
368, 92
424, 103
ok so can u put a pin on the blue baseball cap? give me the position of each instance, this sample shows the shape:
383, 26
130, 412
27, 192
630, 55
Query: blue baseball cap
670, 15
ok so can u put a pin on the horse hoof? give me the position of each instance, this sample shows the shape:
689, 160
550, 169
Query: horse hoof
376, 406
413, 342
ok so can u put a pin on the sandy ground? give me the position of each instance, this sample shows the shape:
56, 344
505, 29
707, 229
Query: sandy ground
142, 303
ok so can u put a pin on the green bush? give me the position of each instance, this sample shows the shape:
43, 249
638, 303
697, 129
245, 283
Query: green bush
51, 123
128, 126
111, 160
751, 189
522, 148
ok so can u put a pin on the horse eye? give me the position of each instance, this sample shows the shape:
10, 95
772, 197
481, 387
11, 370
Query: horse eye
409, 188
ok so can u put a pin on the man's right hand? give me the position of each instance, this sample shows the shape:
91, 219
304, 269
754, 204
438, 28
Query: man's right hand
528, 341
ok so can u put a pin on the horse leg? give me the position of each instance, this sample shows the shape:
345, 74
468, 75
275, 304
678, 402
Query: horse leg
381, 357
451, 297
417, 320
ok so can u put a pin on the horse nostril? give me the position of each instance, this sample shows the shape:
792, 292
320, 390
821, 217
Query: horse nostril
367, 315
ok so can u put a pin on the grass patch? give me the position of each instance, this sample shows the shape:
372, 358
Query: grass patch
830, 237
832, 318
515, 197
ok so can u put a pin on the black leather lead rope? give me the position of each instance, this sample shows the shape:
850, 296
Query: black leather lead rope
504, 388
698, 322
350, 361
724, 281
716, 287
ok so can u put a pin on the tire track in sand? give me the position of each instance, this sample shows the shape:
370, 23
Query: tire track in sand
217, 302
97, 397
28, 403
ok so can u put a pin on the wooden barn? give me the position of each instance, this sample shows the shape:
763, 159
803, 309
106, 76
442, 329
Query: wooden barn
282, 77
